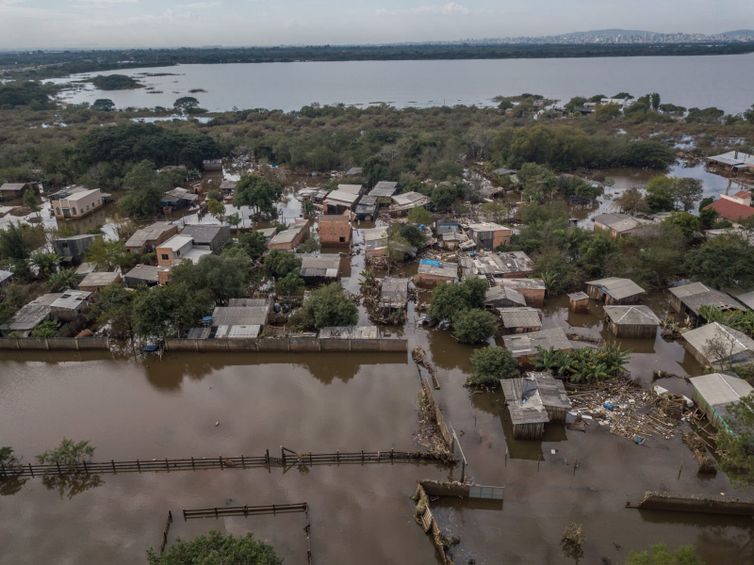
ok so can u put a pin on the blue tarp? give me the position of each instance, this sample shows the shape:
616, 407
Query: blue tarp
431, 262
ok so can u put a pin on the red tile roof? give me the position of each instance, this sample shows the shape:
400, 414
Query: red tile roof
731, 210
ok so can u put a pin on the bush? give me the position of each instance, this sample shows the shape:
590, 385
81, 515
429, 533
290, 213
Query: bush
325, 307
584, 365
660, 554
216, 549
474, 325
491, 364
450, 298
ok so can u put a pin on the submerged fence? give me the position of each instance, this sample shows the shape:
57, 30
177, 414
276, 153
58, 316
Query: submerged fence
289, 344
54, 343
287, 459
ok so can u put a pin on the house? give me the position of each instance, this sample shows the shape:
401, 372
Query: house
715, 393
177, 199
524, 347
148, 238
73, 249
356, 189
70, 305
142, 275
30, 316
451, 236
338, 201
241, 318
366, 209
384, 190
520, 319
12, 190
578, 302
335, 230
688, 300
732, 161
76, 202
432, 272
179, 248
323, 267
402, 203
227, 187
97, 280
375, 242
631, 321
718, 345
488, 235
290, 238
533, 401
618, 225
533, 290
393, 295
211, 236
614, 290
733, 208
514, 264
500, 296
746, 298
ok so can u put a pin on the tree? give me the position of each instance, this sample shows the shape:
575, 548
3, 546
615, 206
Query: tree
687, 192
234, 219
259, 193
279, 263
449, 298
220, 277
168, 311
497, 211
63, 280
31, 201
491, 364
216, 549
420, 215
146, 187
107, 255
474, 325
687, 223
735, 442
290, 285
632, 202
539, 183
607, 112
113, 306
584, 365
557, 271
253, 243
68, 454
572, 541
749, 115
46, 263
725, 261
103, 105
17, 241
327, 306
575, 104
661, 194
186, 104
216, 208
660, 554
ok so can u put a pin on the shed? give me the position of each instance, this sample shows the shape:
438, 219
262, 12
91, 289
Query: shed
618, 225
97, 280
375, 242
211, 236
338, 201
515, 264
489, 235
73, 248
432, 272
614, 290
238, 331
716, 392
142, 275
402, 203
290, 238
393, 293
11, 190
524, 347
688, 300
366, 209
528, 413
578, 302
632, 321
70, 305
533, 290
520, 319
255, 315
384, 189
718, 345
503, 297
553, 395
321, 267
351, 188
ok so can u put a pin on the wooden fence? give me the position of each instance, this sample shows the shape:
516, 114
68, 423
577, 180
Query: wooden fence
287, 459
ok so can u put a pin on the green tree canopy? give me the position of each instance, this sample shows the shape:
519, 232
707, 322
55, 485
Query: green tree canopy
722, 262
327, 306
474, 325
259, 193
491, 364
215, 548
169, 311
221, 276
450, 298
278, 264
735, 442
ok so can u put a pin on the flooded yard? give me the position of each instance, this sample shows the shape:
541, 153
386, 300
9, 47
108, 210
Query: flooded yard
209, 405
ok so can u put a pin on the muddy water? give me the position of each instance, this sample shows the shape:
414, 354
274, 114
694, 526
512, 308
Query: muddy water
328, 402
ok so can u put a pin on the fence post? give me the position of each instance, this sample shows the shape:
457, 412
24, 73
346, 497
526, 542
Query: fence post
267, 459
60, 472
138, 466
282, 452
243, 462
337, 457
85, 469
112, 461
31, 470
391, 455
193, 466
167, 466
3, 467
220, 458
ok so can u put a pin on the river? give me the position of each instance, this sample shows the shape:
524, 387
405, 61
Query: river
721, 81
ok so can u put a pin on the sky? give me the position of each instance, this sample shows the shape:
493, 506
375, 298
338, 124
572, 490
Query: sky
26, 24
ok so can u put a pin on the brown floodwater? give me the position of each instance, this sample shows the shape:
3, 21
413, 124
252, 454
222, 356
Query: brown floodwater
210, 405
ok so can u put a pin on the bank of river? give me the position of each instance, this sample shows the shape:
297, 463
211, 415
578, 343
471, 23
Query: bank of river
170, 408
688, 81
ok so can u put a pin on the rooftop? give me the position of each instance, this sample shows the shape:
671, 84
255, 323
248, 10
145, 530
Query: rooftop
502, 293
32, 314
733, 158
520, 317
350, 188
696, 295
522, 345
203, 233
621, 223
409, 200
70, 300
551, 390
384, 189
77, 195
524, 401
719, 389
101, 278
149, 233
149, 273
177, 242
12, 186
341, 197
535, 284
394, 292
731, 210
438, 268
240, 315
632, 315
374, 234
323, 265
737, 345
617, 288
487, 227
238, 331
288, 235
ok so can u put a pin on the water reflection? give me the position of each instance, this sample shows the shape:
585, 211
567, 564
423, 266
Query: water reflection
68, 486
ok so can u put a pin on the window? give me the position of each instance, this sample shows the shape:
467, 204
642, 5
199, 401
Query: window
165, 257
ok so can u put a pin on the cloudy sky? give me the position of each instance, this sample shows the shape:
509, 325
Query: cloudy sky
158, 23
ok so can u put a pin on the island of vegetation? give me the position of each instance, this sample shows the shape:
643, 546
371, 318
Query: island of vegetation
115, 82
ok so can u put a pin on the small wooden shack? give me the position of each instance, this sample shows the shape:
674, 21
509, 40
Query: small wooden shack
632, 321
533, 401
553, 394
614, 290
578, 302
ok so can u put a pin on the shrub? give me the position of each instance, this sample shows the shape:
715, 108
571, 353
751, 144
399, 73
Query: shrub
474, 325
490, 364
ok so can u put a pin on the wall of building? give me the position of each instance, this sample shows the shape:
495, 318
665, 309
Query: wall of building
292, 344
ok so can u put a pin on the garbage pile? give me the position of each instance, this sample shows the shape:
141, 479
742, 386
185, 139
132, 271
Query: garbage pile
625, 409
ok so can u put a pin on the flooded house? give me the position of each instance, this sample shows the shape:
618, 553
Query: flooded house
733, 208
375, 242
97, 280
637, 321
715, 393
356, 189
393, 295
402, 203
533, 290
717, 345
520, 319
499, 296
688, 300
514, 264
180, 248
339, 201
320, 268
618, 225
451, 236
432, 272
142, 275
212, 236
533, 401
70, 305
211, 165
29, 316
177, 199
146, 239
73, 249
383, 191
366, 209
290, 238
227, 187
14, 190
578, 302
732, 162
614, 290
335, 230
524, 347
488, 235
241, 318
76, 202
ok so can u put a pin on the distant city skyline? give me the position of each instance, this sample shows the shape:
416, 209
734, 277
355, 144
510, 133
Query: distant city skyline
28, 24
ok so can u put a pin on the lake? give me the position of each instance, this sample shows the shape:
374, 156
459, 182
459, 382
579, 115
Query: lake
721, 81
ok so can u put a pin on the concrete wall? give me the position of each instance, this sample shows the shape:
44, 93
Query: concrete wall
54, 344
293, 344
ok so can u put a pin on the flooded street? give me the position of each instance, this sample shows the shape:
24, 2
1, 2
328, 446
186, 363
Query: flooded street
208, 405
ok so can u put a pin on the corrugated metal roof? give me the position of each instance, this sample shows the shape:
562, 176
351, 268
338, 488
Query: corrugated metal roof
616, 287
521, 345
520, 317
632, 315
719, 389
